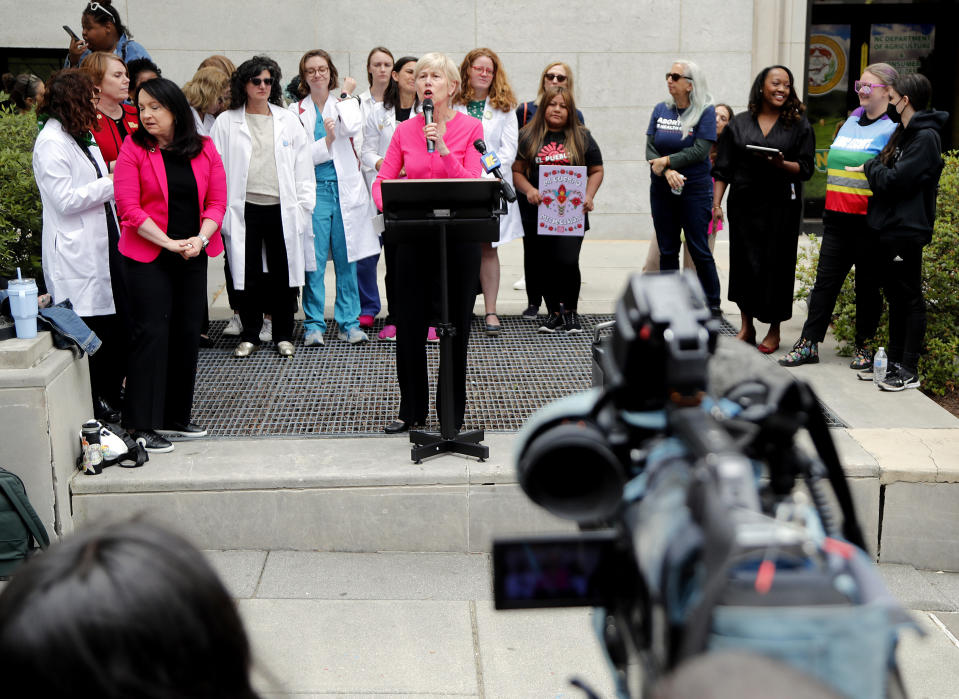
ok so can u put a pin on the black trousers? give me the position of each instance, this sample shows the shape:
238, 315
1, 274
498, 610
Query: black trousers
108, 365
846, 241
902, 283
266, 292
531, 265
417, 268
169, 295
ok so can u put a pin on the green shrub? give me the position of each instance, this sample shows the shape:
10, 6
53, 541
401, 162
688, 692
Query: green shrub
938, 366
20, 210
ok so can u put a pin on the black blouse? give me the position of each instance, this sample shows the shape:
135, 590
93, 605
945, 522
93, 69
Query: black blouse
744, 168
184, 204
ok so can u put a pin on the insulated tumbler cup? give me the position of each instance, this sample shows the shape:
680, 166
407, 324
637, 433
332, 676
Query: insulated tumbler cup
23, 306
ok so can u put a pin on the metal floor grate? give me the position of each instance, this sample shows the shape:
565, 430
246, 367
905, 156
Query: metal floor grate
340, 389
350, 390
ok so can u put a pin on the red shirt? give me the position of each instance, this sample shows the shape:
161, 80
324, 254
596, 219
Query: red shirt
108, 136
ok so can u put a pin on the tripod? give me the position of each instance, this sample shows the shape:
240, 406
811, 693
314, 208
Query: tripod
432, 210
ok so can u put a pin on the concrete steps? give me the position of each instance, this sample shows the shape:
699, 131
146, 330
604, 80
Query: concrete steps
320, 494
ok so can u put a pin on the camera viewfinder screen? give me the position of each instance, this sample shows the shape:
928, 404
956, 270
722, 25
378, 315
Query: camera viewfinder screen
573, 571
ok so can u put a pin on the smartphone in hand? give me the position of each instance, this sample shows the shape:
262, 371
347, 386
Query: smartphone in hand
69, 31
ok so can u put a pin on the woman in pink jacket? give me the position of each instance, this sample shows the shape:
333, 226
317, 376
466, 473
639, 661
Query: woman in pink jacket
453, 133
171, 196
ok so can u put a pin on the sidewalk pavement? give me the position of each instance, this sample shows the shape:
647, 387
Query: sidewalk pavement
423, 625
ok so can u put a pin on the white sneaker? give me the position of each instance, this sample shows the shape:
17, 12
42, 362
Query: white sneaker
354, 336
313, 338
266, 330
520, 284
234, 327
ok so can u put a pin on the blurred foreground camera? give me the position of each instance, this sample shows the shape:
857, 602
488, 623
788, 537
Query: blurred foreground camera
705, 526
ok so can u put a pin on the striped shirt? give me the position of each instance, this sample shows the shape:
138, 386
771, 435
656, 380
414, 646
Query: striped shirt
848, 192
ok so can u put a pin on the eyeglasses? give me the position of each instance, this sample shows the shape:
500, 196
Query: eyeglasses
865, 89
482, 70
317, 71
675, 77
555, 77
266, 81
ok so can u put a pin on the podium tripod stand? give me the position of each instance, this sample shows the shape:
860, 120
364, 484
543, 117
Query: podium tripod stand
417, 211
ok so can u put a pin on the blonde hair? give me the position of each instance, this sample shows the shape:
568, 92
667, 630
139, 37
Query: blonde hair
540, 90
218, 61
442, 62
205, 88
500, 93
97, 64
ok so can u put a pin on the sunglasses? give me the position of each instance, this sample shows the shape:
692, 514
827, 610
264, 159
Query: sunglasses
865, 89
266, 81
555, 77
97, 7
675, 77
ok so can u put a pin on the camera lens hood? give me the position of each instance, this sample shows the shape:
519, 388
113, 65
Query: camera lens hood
570, 470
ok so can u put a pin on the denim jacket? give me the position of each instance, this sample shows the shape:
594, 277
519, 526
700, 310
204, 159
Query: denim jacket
68, 329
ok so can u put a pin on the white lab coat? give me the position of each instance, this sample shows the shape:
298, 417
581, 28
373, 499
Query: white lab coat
76, 257
203, 125
367, 104
297, 182
378, 129
501, 133
356, 206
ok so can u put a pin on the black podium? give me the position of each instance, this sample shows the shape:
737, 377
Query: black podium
417, 211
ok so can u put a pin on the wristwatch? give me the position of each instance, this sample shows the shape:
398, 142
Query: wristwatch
205, 241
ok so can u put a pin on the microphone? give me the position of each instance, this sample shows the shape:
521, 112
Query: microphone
491, 164
428, 115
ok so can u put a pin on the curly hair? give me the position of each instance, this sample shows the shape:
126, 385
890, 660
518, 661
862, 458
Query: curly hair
500, 93
793, 108
68, 99
205, 87
97, 64
304, 89
533, 135
250, 69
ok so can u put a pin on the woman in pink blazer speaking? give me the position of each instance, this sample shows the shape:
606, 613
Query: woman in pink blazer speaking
170, 191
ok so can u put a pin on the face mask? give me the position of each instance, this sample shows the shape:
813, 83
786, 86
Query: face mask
894, 116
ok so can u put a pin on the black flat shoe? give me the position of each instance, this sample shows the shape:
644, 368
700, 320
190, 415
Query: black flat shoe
396, 427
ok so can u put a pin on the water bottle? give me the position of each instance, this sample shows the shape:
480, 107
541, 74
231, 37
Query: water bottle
92, 451
679, 190
879, 364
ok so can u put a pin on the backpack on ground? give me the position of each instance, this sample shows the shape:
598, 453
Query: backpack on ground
20, 527
117, 447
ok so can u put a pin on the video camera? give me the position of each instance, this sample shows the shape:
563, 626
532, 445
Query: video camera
705, 525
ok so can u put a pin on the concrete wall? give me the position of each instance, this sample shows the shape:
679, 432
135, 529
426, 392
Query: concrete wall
619, 51
44, 398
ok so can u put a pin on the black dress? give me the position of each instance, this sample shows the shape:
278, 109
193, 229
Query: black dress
764, 211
